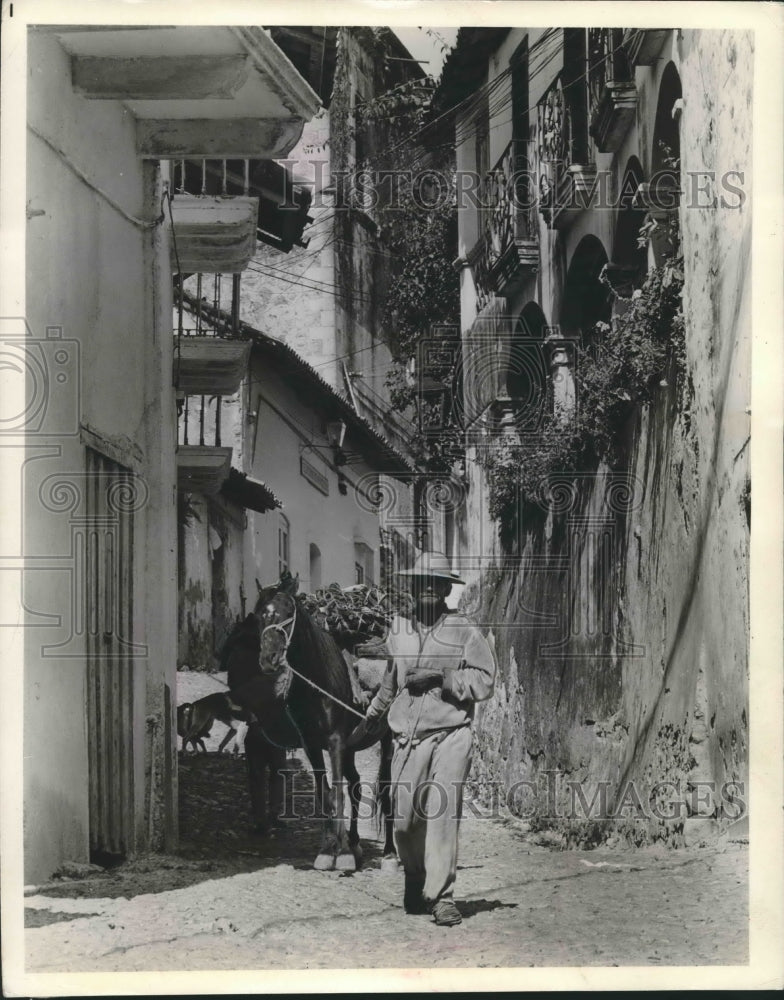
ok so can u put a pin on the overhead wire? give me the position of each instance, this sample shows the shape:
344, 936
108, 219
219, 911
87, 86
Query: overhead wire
502, 99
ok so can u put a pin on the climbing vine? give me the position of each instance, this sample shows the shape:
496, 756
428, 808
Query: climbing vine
418, 226
399, 183
630, 359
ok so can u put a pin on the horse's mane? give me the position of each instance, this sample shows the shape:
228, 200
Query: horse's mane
312, 652
320, 656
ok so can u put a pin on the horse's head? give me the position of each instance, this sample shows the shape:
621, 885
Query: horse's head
276, 610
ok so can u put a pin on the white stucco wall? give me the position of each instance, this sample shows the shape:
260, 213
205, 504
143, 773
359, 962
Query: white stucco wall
100, 278
288, 423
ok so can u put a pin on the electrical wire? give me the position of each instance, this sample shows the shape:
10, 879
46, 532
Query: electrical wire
468, 127
140, 223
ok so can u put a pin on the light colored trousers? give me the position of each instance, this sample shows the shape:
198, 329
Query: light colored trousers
427, 790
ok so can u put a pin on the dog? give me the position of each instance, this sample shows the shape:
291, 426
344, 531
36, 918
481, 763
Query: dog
195, 719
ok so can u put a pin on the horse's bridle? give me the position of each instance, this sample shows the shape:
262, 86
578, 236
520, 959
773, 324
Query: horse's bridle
280, 627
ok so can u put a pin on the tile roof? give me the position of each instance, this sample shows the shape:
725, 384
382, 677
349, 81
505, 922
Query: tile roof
248, 492
371, 443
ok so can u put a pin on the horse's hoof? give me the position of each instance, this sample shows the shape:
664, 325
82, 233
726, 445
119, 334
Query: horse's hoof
389, 863
325, 863
356, 850
346, 863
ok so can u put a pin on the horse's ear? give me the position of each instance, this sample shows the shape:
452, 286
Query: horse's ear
258, 585
288, 584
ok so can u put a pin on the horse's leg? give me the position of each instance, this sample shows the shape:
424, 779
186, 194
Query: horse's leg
354, 792
256, 755
325, 861
226, 738
277, 789
389, 858
315, 756
344, 860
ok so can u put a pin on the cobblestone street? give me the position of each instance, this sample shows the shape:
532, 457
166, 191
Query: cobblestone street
229, 901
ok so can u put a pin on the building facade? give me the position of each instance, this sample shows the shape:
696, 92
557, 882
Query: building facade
302, 497
599, 167
107, 112
321, 345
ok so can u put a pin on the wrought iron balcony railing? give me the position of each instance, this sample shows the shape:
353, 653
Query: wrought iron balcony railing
567, 174
202, 463
554, 122
507, 251
200, 421
283, 203
611, 91
211, 357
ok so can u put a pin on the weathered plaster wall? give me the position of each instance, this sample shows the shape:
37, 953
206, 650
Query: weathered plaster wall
195, 648
102, 280
289, 429
291, 296
670, 704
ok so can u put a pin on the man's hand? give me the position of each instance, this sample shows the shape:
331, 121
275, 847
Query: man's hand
419, 681
366, 729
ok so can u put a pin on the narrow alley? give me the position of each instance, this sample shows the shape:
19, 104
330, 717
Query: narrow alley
229, 900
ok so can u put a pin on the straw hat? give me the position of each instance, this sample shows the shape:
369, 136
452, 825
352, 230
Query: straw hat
433, 564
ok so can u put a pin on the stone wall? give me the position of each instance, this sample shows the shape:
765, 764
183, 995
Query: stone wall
661, 556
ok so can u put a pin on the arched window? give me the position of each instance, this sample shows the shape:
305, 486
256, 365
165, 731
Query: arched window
586, 300
629, 260
666, 131
665, 185
283, 544
363, 563
526, 371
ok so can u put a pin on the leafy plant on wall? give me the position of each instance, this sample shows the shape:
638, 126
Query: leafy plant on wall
417, 220
631, 359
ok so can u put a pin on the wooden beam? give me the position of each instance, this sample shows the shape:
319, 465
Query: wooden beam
222, 138
159, 78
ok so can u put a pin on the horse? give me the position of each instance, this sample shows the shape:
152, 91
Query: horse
292, 676
270, 730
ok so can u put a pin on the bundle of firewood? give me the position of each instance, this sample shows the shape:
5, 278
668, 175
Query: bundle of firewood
356, 614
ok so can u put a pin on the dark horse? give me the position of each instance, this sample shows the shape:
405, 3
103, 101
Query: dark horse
259, 657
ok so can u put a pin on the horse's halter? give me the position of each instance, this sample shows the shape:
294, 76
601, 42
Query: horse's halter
286, 628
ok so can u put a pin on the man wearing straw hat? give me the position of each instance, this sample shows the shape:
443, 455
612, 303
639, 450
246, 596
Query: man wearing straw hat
439, 665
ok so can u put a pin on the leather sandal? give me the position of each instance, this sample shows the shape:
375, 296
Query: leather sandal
445, 913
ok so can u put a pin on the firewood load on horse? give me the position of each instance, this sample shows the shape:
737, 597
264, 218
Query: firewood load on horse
285, 663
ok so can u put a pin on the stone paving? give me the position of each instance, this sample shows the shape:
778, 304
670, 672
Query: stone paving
523, 905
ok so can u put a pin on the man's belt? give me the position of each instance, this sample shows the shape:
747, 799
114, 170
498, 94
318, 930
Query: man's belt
403, 738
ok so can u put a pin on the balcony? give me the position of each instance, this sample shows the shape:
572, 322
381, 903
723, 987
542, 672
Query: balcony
203, 465
210, 357
282, 202
507, 252
568, 176
612, 93
213, 234
193, 91
643, 47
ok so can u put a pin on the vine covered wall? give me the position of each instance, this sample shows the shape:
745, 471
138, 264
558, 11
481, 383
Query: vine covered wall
618, 601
